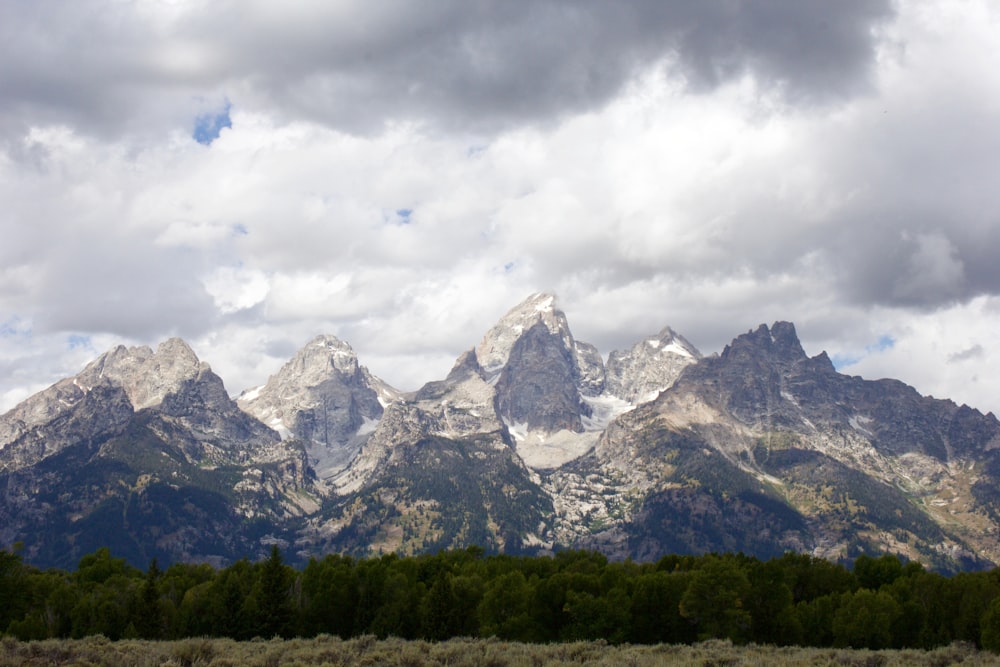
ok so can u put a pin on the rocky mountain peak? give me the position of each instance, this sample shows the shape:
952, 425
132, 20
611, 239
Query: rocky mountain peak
149, 378
778, 343
323, 397
321, 356
537, 386
650, 366
494, 349
145, 376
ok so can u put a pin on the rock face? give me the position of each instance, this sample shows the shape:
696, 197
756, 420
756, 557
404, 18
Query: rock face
323, 398
537, 385
145, 452
438, 472
125, 380
549, 386
653, 364
528, 445
765, 449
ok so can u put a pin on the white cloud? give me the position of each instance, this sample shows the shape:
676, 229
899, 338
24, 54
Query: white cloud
646, 177
949, 353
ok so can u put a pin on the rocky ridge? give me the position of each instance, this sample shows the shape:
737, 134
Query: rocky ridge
531, 443
324, 398
639, 374
144, 451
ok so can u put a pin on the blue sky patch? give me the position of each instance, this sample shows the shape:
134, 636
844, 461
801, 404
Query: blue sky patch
208, 125
14, 327
403, 214
884, 342
78, 342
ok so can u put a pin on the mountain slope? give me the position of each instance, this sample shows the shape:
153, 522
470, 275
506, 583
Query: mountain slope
438, 472
324, 398
845, 464
145, 452
531, 443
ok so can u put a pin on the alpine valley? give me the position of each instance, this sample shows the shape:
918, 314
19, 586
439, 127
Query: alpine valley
532, 443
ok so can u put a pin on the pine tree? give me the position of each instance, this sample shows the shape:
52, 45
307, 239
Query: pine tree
275, 601
148, 620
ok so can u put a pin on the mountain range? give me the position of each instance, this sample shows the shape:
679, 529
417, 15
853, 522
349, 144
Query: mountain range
532, 443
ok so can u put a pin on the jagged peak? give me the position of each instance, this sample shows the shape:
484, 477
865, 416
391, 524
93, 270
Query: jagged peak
822, 361
176, 348
162, 373
145, 376
640, 373
494, 349
326, 352
465, 365
321, 359
668, 341
779, 340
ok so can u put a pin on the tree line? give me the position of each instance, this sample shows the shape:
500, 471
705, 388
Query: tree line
879, 602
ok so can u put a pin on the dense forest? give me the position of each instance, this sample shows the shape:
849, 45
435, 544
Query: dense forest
794, 599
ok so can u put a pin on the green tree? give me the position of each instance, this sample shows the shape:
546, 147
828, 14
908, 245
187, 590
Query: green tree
13, 588
275, 613
865, 619
971, 595
329, 596
990, 627
815, 620
399, 613
505, 608
715, 600
773, 617
227, 599
148, 617
598, 616
655, 607
874, 573
810, 577
438, 610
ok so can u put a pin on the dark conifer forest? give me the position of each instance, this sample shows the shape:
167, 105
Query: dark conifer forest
877, 603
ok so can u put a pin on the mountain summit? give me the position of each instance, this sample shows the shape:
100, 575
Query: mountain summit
323, 398
530, 444
144, 452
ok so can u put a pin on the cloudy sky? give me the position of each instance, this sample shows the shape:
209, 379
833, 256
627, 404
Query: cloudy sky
247, 175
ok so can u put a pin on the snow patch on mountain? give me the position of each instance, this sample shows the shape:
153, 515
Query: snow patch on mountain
603, 409
639, 374
547, 451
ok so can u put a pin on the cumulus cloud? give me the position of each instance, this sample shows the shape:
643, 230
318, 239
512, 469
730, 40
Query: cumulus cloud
484, 65
250, 174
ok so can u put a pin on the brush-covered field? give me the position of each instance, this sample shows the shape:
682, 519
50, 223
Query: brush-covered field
326, 650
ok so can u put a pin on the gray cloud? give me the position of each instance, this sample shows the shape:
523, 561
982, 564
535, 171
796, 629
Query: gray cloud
480, 66
707, 165
974, 352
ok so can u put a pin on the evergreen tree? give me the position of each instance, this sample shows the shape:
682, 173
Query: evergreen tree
438, 609
148, 620
274, 601
12, 588
990, 627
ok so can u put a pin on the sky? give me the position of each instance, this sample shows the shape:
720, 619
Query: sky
248, 175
